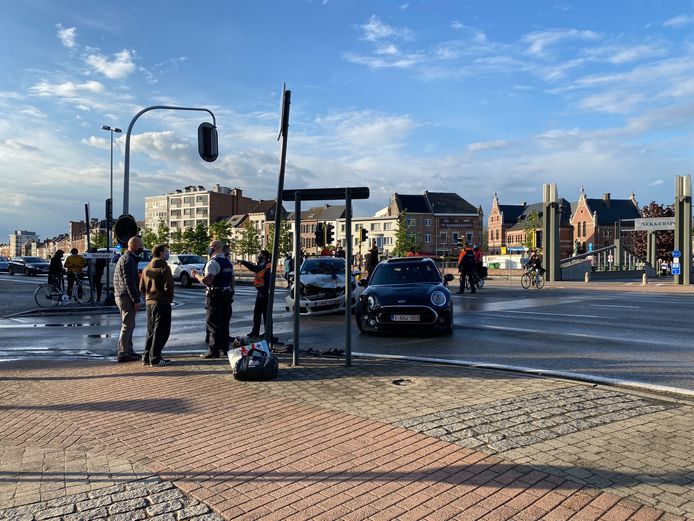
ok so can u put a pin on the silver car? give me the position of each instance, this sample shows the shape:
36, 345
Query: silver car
322, 282
182, 264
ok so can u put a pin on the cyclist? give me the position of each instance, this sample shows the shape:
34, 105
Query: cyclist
55, 270
74, 265
479, 258
535, 264
467, 267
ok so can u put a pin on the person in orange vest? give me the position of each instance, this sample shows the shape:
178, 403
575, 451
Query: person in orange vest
466, 267
261, 282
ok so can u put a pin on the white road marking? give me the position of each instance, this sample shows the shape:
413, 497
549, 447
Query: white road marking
550, 314
614, 306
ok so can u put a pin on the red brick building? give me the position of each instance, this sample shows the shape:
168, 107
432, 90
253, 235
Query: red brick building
596, 221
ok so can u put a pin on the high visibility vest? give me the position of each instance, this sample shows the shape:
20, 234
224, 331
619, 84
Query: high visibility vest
259, 280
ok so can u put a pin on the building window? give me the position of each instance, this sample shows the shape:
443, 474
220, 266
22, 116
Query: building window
584, 229
427, 238
201, 199
443, 237
468, 237
342, 228
387, 226
454, 237
188, 200
427, 222
411, 221
388, 241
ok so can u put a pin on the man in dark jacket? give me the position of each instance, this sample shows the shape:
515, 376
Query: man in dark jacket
371, 261
55, 270
157, 286
261, 283
467, 267
127, 294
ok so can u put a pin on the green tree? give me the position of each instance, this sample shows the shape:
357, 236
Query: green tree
404, 241
98, 239
531, 224
285, 238
200, 240
162, 233
149, 238
220, 231
177, 243
249, 243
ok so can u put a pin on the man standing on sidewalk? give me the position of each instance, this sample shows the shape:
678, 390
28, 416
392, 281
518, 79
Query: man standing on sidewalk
262, 285
127, 294
157, 286
218, 277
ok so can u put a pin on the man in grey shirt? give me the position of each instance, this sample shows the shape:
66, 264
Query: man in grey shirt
127, 294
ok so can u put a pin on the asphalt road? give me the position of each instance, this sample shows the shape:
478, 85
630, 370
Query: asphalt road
631, 336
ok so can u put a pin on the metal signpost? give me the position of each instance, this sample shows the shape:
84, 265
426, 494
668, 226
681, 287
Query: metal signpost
322, 194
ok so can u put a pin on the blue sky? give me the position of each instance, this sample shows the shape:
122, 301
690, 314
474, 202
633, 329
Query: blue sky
471, 97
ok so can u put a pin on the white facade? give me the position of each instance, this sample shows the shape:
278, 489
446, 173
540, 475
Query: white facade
20, 237
381, 231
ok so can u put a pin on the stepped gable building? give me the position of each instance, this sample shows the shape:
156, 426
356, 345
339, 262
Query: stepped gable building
517, 234
439, 222
596, 221
501, 219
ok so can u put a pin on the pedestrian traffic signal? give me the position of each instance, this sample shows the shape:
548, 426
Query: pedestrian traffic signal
329, 233
207, 142
320, 234
363, 234
125, 228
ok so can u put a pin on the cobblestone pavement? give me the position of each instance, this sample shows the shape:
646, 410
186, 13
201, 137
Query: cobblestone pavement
325, 442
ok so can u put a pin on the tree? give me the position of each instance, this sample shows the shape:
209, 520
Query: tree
149, 238
665, 239
249, 243
177, 242
530, 229
404, 241
196, 240
98, 239
220, 231
285, 245
162, 233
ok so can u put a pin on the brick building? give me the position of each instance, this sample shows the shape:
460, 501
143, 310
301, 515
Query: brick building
328, 213
517, 234
596, 221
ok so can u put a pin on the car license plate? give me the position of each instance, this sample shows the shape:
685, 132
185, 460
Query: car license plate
329, 302
405, 318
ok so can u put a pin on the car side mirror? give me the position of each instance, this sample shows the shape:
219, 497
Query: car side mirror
448, 277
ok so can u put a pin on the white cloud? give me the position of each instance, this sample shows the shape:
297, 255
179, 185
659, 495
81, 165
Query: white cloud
68, 36
117, 69
376, 30
483, 146
678, 21
32, 112
457, 25
66, 89
539, 41
657, 182
613, 102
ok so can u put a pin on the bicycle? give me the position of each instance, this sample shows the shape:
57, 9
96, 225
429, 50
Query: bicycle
534, 278
50, 295
477, 280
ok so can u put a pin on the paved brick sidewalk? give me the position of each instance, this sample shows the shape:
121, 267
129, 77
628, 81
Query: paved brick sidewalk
381, 440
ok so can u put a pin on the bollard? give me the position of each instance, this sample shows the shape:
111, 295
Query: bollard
644, 280
586, 277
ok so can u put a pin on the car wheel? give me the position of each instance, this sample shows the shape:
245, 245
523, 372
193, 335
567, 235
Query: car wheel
26, 272
449, 327
10, 271
358, 313
186, 281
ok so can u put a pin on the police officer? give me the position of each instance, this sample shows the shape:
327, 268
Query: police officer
219, 278
262, 286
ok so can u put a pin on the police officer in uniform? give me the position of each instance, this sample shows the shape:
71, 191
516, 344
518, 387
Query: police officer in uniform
219, 278
261, 282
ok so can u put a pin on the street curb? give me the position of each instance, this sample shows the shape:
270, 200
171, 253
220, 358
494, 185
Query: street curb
672, 392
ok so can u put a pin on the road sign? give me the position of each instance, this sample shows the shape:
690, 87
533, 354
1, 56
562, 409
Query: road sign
99, 255
676, 254
676, 269
653, 224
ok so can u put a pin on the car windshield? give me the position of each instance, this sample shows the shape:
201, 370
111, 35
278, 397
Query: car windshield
323, 267
405, 273
33, 260
191, 259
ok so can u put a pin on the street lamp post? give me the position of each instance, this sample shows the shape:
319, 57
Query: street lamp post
109, 217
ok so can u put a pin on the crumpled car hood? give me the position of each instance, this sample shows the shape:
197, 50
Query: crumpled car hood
323, 281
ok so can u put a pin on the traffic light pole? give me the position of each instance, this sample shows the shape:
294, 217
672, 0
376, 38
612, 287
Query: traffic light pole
126, 171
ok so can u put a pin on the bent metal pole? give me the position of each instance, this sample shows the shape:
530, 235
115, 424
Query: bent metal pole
126, 171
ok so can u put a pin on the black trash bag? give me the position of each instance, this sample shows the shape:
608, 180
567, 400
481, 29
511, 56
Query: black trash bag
256, 365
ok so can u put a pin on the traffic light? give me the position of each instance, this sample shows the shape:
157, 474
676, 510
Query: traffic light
329, 233
363, 234
461, 243
207, 142
125, 228
320, 234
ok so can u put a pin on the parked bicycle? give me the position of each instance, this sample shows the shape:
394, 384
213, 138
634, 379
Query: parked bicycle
533, 278
477, 280
50, 295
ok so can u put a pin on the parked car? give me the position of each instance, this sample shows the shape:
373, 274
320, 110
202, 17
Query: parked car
4, 263
28, 265
322, 282
181, 265
407, 293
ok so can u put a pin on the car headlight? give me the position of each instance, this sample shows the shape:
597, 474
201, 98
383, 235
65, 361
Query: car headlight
438, 298
371, 303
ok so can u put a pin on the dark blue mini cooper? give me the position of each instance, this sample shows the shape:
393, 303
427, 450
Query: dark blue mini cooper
404, 294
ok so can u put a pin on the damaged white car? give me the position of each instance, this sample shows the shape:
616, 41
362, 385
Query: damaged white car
322, 282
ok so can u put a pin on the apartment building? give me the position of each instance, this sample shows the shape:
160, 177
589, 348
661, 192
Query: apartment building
193, 205
19, 240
